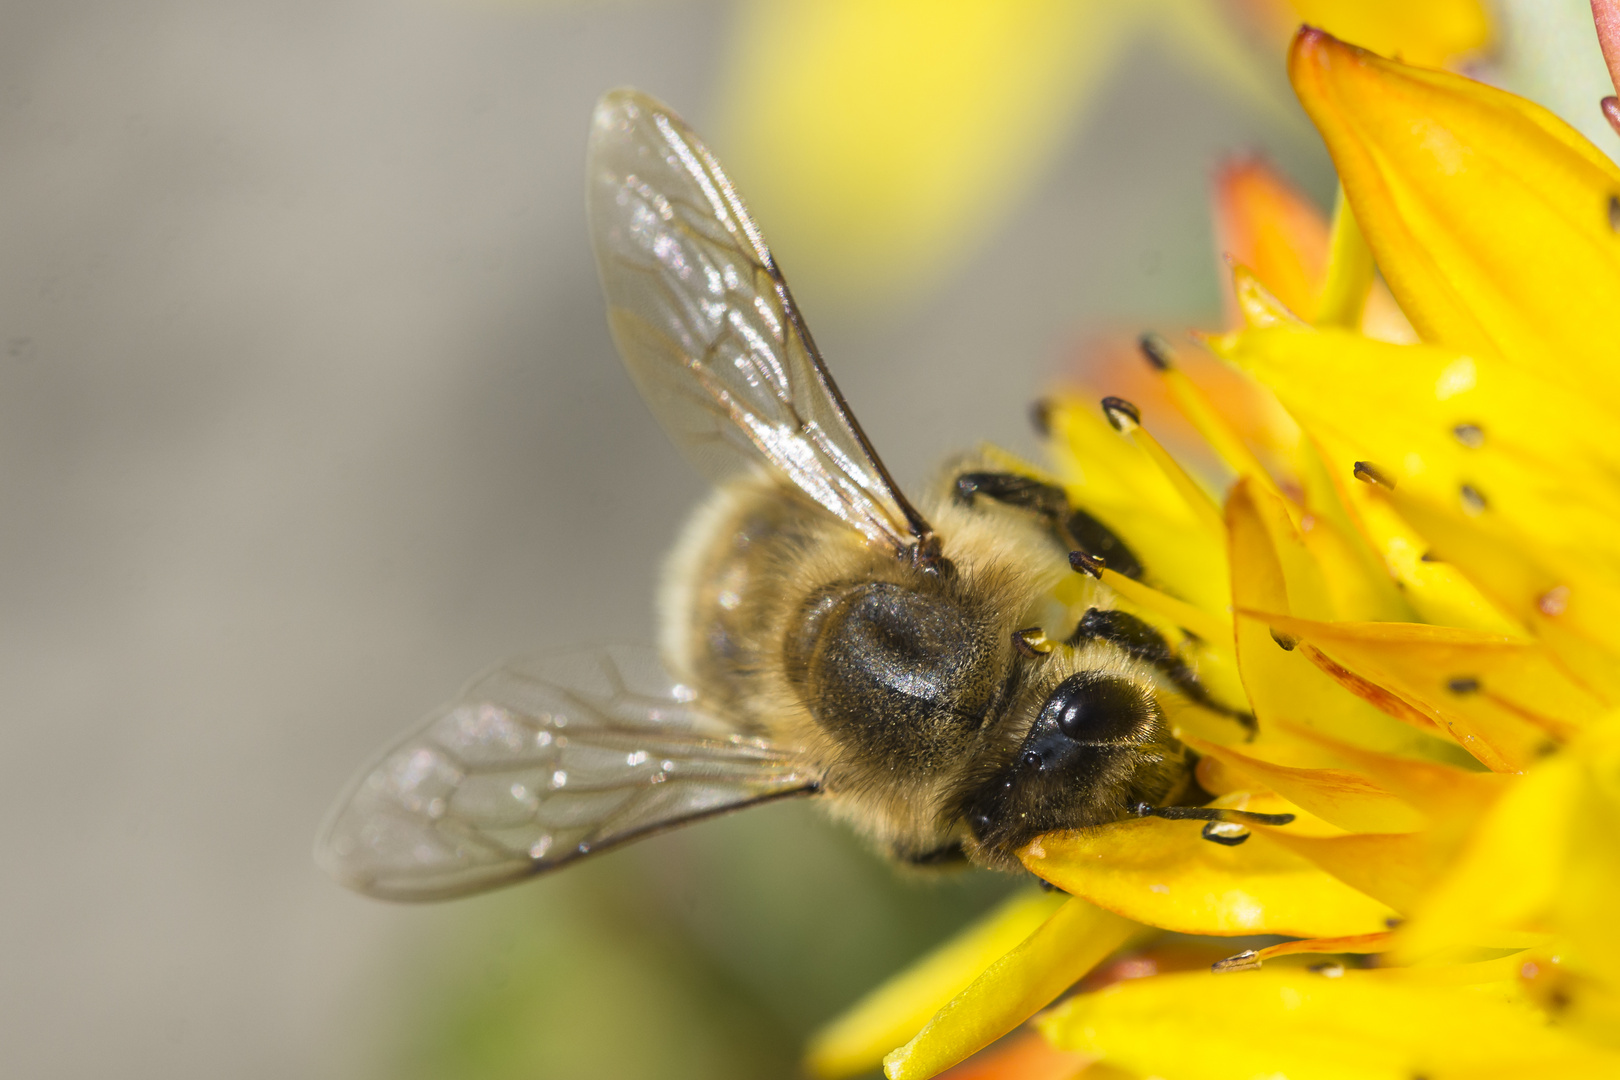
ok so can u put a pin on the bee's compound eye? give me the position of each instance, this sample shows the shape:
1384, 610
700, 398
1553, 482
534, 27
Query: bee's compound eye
1094, 709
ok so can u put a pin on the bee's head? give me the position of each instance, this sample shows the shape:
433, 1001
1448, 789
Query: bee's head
1097, 746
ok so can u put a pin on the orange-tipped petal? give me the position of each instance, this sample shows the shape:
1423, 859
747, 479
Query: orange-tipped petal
1264, 222
1488, 215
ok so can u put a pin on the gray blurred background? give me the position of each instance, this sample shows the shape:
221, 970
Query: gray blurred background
308, 412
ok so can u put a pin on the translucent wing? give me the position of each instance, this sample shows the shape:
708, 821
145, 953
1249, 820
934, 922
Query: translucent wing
708, 329
538, 763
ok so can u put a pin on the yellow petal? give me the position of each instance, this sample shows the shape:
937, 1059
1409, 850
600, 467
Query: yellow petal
1350, 271
1436, 421
1346, 799
1284, 685
1062, 949
1437, 592
1291, 1023
897, 1010
1438, 791
1165, 874
1513, 695
1542, 859
1488, 215
1394, 868
1508, 874
1565, 603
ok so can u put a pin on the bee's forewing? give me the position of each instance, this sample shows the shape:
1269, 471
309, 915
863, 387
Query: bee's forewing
539, 763
706, 325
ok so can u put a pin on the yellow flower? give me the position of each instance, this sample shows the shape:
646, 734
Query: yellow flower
1418, 599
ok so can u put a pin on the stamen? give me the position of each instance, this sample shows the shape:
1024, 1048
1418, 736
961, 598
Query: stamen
1157, 351
1086, 564
1122, 416
1040, 417
1210, 813
1355, 944
1612, 107
1127, 419
1473, 502
1470, 435
1369, 473
1288, 642
1191, 401
1463, 684
1032, 642
1247, 960
1194, 620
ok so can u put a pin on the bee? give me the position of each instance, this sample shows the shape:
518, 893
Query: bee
821, 634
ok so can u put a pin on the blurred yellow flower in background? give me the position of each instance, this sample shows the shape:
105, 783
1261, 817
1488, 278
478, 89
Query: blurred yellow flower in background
902, 132
1416, 590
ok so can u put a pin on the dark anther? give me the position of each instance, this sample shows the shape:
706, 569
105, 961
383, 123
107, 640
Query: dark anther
1614, 212
1367, 472
1470, 435
1122, 415
1157, 351
1465, 684
1101, 541
1210, 813
1040, 416
1086, 564
1247, 960
1287, 641
1472, 500
1225, 833
1031, 642
1429, 556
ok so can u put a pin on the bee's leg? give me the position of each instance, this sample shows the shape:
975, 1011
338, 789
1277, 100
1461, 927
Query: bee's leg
1072, 528
1148, 645
949, 855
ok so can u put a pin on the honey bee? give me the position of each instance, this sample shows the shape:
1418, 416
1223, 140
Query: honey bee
821, 634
